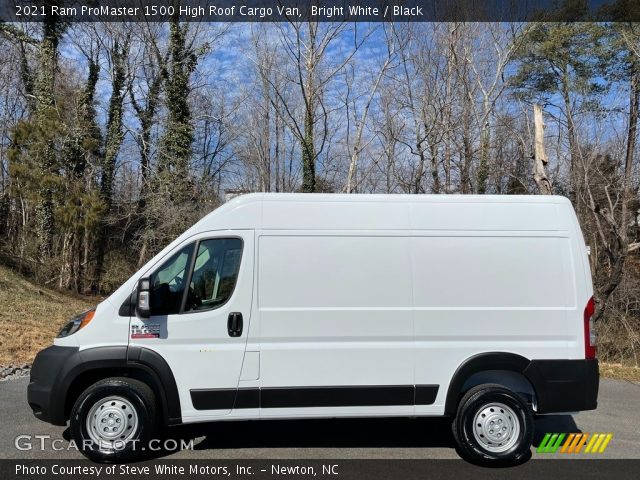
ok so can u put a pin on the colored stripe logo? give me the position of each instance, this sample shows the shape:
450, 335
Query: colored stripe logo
574, 442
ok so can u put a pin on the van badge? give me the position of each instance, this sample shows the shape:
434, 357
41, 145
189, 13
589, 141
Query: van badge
147, 330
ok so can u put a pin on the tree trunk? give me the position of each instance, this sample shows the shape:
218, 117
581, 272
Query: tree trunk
435, 173
539, 155
44, 92
573, 143
632, 132
483, 168
308, 154
147, 117
175, 152
112, 147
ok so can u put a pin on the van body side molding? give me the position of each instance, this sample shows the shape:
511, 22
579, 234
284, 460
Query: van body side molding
305, 397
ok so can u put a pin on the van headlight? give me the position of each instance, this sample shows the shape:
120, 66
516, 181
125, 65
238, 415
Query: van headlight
76, 323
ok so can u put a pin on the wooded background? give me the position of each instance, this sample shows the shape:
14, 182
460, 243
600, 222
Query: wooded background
116, 137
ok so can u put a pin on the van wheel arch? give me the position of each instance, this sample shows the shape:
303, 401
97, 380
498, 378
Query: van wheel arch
143, 365
90, 377
488, 367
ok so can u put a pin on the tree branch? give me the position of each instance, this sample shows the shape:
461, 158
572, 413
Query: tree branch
13, 33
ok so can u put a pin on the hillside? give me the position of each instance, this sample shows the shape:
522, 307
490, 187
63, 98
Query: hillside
31, 316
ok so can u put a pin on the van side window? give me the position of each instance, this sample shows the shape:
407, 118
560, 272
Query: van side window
215, 272
168, 283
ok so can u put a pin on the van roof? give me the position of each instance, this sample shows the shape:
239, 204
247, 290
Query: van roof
403, 197
327, 211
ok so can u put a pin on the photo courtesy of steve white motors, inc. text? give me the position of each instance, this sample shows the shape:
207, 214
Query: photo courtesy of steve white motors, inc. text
192, 469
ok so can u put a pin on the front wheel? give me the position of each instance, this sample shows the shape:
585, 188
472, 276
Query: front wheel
493, 426
113, 420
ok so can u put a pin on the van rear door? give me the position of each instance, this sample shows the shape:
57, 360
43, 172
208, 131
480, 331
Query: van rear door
201, 307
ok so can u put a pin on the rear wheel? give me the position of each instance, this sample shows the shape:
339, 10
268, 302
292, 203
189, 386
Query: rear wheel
494, 426
113, 419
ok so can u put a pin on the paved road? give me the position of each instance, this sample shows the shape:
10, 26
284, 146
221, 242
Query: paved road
618, 412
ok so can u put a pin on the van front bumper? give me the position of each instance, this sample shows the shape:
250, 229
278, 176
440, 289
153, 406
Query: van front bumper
564, 385
45, 393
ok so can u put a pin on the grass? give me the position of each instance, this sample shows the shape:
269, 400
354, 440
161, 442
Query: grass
31, 316
619, 372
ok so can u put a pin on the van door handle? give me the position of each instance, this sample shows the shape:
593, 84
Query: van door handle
234, 324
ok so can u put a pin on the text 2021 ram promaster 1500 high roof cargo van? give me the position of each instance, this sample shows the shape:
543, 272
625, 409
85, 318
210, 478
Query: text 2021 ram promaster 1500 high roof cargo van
300, 306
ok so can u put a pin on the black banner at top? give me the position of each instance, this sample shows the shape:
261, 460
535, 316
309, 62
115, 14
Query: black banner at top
322, 11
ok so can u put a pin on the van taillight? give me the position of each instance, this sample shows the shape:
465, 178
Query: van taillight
589, 331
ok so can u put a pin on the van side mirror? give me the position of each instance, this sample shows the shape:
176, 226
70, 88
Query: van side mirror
143, 305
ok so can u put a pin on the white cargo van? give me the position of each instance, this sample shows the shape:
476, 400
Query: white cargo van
300, 306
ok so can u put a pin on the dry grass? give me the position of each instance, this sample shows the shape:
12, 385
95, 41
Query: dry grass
620, 372
31, 316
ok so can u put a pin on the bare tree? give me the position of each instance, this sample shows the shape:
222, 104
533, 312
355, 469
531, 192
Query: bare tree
307, 45
361, 120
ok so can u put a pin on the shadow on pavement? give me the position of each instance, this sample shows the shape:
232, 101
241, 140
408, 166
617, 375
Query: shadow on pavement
554, 424
335, 433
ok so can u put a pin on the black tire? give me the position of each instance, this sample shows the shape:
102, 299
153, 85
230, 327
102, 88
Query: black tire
132, 394
466, 431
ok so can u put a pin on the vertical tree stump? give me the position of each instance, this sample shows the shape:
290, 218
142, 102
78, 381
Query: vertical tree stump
539, 155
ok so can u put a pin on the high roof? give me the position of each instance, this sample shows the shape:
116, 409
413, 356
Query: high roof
385, 212
375, 214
